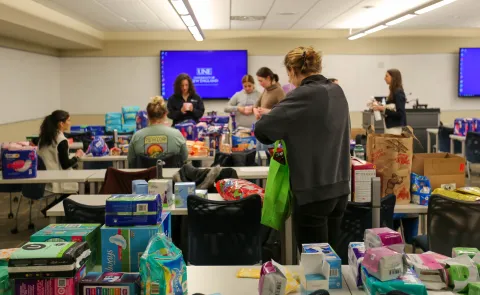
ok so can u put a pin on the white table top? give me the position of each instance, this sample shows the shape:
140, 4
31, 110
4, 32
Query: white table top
102, 159
243, 173
411, 208
100, 200
457, 137
49, 176
432, 130
75, 146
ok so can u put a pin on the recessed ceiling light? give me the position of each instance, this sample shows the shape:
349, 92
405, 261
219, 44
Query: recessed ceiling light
247, 18
286, 13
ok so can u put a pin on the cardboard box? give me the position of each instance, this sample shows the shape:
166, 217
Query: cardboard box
383, 263
110, 283
357, 131
139, 187
333, 260
123, 246
316, 272
128, 210
362, 174
356, 252
162, 187
89, 233
440, 168
182, 191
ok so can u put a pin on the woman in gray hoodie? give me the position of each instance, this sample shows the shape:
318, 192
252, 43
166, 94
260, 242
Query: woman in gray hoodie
243, 102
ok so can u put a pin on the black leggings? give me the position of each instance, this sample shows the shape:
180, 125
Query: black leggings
318, 222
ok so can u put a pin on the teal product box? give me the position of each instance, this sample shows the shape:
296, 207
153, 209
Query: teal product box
182, 191
166, 220
89, 233
123, 246
335, 262
110, 283
140, 187
128, 210
408, 283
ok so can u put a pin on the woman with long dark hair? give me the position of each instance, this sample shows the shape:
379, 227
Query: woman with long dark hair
394, 110
184, 104
54, 151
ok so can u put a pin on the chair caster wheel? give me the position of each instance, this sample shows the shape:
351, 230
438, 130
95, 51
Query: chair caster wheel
10, 215
31, 226
14, 231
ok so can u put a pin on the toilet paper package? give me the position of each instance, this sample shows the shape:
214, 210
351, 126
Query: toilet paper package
19, 160
461, 271
383, 263
123, 246
129, 210
407, 283
356, 252
384, 237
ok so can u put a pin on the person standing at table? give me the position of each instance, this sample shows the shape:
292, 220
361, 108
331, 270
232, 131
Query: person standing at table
156, 139
314, 122
242, 103
272, 94
394, 110
54, 151
185, 104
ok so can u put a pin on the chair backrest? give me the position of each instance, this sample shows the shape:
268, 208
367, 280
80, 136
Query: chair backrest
452, 223
235, 159
472, 147
80, 213
120, 182
35, 191
443, 144
224, 232
171, 161
357, 218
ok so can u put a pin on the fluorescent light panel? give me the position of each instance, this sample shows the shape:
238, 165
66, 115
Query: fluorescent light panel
188, 20
179, 6
401, 19
194, 30
376, 29
357, 36
434, 6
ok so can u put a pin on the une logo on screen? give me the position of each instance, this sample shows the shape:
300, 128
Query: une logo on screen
204, 71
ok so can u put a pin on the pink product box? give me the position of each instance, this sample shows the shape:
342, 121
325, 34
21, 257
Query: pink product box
384, 237
383, 263
56, 286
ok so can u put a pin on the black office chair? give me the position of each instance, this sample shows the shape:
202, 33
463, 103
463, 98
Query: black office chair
358, 218
170, 160
33, 192
235, 159
472, 151
80, 213
224, 232
451, 223
11, 189
443, 144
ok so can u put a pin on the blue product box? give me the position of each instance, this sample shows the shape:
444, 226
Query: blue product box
78, 128
89, 233
182, 191
335, 278
123, 246
463, 126
110, 283
110, 128
166, 221
240, 144
140, 187
221, 119
128, 210
19, 163
188, 130
96, 130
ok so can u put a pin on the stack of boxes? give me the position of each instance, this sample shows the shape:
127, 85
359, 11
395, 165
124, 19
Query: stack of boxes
129, 118
113, 121
130, 222
464, 125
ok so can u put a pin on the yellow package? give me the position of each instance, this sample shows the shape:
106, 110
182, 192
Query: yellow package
292, 283
469, 190
249, 273
455, 195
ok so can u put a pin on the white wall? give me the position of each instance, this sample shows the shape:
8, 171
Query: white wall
29, 85
97, 85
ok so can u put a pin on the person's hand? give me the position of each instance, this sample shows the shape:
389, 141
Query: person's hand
263, 111
79, 154
184, 109
241, 110
248, 110
379, 108
257, 113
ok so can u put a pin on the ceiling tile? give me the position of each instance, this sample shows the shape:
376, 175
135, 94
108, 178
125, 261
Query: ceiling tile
212, 14
246, 25
166, 13
276, 21
251, 7
360, 17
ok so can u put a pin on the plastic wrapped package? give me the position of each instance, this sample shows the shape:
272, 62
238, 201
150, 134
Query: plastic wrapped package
407, 283
98, 147
456, 195
420, 189
232, 189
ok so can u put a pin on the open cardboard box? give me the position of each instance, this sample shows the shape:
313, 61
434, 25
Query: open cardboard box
440, 168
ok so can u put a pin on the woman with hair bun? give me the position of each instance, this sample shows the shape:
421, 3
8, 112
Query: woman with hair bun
158, 138
314, 122
243, 101
272, 94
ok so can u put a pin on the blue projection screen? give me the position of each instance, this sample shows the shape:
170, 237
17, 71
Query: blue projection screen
216, 74
469, 72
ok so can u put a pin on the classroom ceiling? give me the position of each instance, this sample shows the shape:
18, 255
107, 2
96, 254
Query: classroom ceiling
158, 15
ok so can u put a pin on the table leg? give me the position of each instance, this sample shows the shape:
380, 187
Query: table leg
81, 188
429, 143
289, 242
52, 220
452, 147
423, 221
125, 164
80, 165
92, 188
437, 143
463, 148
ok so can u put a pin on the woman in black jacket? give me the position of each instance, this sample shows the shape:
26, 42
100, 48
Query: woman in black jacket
314, 122
394, 110
184, 104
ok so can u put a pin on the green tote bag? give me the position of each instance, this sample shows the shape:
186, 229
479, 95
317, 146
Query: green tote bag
276, 202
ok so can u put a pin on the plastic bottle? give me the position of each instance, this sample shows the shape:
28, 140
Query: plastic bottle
359, 152
226, 141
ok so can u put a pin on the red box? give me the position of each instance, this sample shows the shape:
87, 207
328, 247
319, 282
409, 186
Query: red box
362, 174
